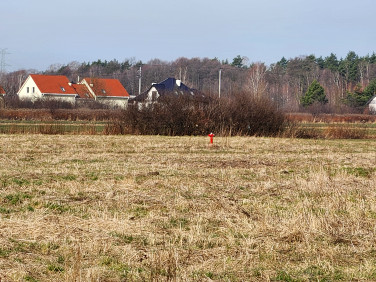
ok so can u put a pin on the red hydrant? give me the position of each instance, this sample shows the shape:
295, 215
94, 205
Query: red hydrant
211, 135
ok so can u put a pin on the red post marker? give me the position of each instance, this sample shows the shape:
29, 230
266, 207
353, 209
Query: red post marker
211, 135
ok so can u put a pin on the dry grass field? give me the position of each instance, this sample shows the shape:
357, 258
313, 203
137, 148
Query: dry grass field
141, 208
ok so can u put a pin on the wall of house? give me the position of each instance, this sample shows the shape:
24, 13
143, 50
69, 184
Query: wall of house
29, 91
152, 94
372, 106
113, 102
66, 98
1, 101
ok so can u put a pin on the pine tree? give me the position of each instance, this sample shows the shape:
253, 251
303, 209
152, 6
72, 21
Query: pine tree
283, 63
331, 62
237, 61
359, 98
315, 93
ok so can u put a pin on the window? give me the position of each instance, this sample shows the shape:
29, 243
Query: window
63, 89
33, 89
27, 89
154, 95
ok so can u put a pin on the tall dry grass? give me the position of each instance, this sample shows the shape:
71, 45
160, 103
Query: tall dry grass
113, 208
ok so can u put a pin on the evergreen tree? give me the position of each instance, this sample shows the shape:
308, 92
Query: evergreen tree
331, 62
225, 62
359, 98
320, 62
370, 90
237, 61
283, 63
372, 58
349, 67
315, 93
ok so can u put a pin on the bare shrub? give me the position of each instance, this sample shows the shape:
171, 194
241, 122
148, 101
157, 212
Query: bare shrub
180, 115
295, 130
317, 108
13, 102
349, 118
62, 114
115, 128
184, 115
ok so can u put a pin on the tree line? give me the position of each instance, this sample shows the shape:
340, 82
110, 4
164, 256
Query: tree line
346, 82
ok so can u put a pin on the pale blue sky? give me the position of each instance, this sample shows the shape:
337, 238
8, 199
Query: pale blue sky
39, 33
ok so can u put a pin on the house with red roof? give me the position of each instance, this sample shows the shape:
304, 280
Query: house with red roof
108, 91
2, 91
38, 86
2, 94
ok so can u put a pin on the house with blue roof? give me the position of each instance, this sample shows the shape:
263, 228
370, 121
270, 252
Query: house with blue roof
170, 86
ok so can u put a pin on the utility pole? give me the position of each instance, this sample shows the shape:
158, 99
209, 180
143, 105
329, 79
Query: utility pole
3, 52
139, 81
219, 83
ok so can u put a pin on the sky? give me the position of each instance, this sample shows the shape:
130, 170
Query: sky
37, 34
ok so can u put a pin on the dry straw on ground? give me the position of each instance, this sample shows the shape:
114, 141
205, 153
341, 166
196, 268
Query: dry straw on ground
113, 208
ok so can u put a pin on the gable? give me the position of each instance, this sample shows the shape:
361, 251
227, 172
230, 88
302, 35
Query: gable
82, 91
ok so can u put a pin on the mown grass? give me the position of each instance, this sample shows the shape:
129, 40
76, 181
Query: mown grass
112, 208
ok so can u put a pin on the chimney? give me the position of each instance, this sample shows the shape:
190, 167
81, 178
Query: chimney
70, 83
178, 82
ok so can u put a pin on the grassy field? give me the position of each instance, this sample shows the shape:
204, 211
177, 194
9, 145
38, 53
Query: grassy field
113, 208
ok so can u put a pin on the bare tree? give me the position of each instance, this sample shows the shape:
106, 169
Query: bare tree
257, 80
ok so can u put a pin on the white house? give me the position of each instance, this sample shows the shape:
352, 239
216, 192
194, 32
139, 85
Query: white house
170, 86
372, 105
39, 86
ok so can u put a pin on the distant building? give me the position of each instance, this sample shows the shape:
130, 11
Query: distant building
372, 105
39, 86
58, 87
170, 86
2, 91
2, 94
107, 91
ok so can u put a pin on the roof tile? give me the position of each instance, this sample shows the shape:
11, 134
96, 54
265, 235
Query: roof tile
107, 87
53, 84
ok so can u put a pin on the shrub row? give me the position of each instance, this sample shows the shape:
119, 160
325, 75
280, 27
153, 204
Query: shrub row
61, 114
334, 131
329, 118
